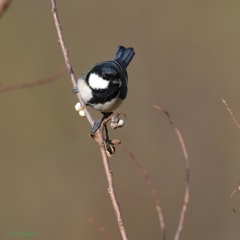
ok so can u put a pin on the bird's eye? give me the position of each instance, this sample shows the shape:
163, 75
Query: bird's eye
104, 76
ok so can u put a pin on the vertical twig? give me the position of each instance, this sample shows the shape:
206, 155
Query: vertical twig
231, 197
238, 125
152, 188
187, 176
66, 57
99, 135
230, 113
111, 189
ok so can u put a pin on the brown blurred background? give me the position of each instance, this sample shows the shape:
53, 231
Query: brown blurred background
187, 58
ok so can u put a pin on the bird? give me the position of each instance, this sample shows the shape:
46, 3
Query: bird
103, 86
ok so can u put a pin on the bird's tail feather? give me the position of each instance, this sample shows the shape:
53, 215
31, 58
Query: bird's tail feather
125, 55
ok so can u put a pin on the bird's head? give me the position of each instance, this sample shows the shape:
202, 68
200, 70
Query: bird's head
104, 76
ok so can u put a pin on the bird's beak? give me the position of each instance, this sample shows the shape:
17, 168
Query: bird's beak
117, 82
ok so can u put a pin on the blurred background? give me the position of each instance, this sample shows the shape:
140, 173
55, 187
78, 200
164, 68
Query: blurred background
187, 58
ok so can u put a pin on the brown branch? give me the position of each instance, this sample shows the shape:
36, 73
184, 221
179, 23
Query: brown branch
152, 188
101, 229
230, 113
111, 189
4, 5
238, 125
66, 57
99, 135
187, 177
37, 83
231, 197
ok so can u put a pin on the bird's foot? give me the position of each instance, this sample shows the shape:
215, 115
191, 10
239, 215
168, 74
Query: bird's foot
109, 148
96, 126
75, 90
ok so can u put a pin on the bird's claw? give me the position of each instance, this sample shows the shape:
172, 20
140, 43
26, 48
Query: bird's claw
96, 126
75, 90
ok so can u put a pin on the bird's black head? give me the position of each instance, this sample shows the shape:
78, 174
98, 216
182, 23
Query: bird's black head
104, 76
106, 71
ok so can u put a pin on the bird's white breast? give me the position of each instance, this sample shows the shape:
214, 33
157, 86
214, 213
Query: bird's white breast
109, 106
85, 91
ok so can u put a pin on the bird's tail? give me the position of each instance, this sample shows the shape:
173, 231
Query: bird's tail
125, 55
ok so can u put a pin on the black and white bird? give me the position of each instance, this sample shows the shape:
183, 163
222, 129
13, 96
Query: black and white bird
104, 86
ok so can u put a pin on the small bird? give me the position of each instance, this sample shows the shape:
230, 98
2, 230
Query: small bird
104, 86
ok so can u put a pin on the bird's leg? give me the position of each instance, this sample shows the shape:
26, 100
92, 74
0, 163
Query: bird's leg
107, 140
97, 124
109, 147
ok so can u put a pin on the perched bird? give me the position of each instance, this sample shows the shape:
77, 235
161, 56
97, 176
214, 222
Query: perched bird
103, 86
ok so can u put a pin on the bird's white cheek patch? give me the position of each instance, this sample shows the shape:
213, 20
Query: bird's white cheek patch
97, 82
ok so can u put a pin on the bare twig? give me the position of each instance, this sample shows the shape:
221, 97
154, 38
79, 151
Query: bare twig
4, 4
152, 188
111, 190
66, 57
230, 113
187, 177
37, 83
99, 135
231, 197
238, 125
101, 229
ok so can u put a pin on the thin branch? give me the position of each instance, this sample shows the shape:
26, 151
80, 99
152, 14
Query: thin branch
231, 197
101, 228
230, 113
4, 5
238, 125
37, 83
99, 135
152, 188
111, 189
187, 176
66, 57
